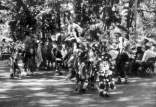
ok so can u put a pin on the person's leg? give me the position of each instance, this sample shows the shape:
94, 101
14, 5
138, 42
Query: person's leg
132, 68
12, 71
150, 68
118, 72
124, 70
136, 69
58, 68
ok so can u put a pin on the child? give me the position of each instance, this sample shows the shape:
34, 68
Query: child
17, 65
105, 78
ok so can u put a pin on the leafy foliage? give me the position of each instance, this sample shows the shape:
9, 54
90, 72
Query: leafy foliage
30, 16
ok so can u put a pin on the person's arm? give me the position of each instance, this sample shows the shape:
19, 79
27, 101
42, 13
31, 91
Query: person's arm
79, 29
69, 27
144, 56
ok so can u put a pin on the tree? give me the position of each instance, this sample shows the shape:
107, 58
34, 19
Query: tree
147, 12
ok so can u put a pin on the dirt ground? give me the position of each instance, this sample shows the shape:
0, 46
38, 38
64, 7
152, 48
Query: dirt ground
43, 89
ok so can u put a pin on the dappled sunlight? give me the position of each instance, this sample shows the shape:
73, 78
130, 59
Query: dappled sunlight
3, 90
36, 88
117, 92
2, 96
6, 86
4, 70
64, 89
43, 94
75, 97
63, 97
44, 89
148, 84
30, 84
153, 83
41, 80
133, 81
123, 99
132, 106
137, 79
85, 101
49, 101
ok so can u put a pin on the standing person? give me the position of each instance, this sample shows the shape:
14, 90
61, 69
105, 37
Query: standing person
44, 55
149, 59
121, 62
49, 55
122, 43
74, 30
91, 67
63, 50
149, 53
1, 47
39, 58
29, 58
138, 57
106, 56
64, 54
17, 63
82, 75
58, 59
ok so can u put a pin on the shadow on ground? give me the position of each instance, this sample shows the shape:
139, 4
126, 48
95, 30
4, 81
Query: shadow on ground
46, 90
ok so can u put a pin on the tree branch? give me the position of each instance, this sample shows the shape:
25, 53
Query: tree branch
146, 10
3, 7
21, 4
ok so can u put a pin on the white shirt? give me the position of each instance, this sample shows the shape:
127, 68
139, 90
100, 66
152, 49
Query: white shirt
148, 54
72, 28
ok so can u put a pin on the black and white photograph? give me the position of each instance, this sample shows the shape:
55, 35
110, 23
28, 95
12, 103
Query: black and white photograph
77, 53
